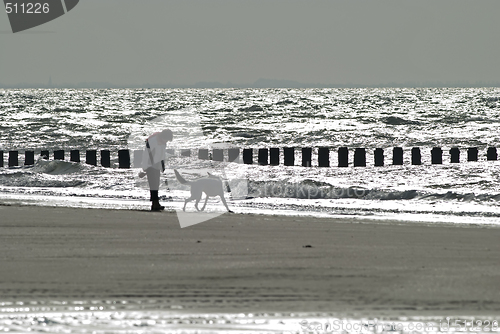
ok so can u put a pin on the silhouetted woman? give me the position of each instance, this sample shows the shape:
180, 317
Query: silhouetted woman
153, 163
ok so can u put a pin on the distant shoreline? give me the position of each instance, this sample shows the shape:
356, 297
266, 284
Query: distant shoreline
259, 84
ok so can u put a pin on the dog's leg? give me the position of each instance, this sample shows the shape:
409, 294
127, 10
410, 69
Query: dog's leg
205, 204
197, 202
186, 202
225, 203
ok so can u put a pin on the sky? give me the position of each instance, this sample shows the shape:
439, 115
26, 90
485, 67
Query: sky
181, 42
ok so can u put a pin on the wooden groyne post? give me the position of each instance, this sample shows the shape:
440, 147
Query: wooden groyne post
13, 158
306, 157
491, 154
59, 155
233, 154
454, 155
203, 154
248, 156
397, 156
359, 157
437, 156
343, 157
472, 154
324, 157
91, 157
218, 154
123, 159
289, 156
378, 156
263, 156
29, 158
74, 155
274, 156
416, 157
105, 158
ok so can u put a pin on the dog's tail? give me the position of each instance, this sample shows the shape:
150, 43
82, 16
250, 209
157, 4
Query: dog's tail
180, 178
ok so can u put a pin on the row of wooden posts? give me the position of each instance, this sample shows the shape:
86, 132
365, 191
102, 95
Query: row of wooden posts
265, 156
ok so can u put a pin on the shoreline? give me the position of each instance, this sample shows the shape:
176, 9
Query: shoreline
423, 218
249, 263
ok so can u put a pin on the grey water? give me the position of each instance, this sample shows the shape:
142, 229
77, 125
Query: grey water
467, 192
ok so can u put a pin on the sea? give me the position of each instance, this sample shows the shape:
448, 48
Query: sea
467, 192
115, 119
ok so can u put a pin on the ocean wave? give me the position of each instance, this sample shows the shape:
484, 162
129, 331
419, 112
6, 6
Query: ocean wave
310, 189
57, 167
24, 180
244, 135
69, 110
469, 197
46, 174
305, 190
252, 108
393, 120
490, 99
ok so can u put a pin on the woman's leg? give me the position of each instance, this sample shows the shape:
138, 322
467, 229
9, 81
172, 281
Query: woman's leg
153, 178
154, 184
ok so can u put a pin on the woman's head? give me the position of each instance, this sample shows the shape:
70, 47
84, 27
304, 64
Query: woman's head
166, 135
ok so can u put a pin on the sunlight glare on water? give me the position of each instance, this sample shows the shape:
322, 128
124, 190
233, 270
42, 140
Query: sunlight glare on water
384, 118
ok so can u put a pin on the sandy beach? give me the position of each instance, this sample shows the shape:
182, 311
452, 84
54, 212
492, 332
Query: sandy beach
249, 263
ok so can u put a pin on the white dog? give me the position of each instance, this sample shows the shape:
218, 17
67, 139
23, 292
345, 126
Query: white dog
210, 185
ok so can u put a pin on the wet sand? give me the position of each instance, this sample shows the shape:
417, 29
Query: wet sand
249, 263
